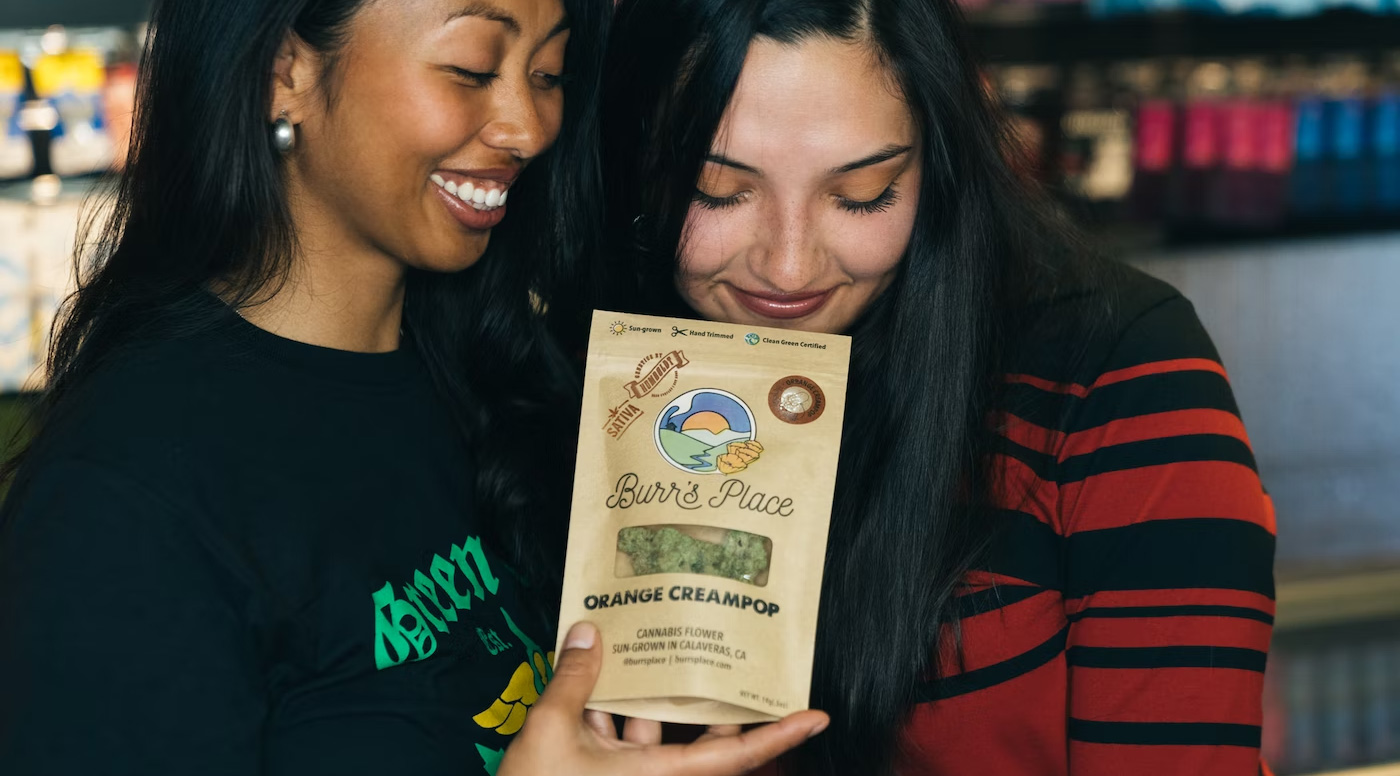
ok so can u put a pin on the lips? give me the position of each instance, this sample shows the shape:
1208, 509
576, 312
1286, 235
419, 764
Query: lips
782, 306
476, 198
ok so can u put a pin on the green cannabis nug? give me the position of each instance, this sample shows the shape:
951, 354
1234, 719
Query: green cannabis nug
742, 556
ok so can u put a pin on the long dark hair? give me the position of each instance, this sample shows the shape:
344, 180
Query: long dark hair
914, 486
202, 202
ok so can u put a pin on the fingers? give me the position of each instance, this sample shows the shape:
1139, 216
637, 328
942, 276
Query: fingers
739, 754
575, 673
641, 731
723, 730
601, 723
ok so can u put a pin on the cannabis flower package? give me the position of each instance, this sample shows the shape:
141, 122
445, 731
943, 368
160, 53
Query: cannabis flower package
706, 465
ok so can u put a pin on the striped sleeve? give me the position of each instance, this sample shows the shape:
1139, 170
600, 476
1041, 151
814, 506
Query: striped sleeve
1168, 542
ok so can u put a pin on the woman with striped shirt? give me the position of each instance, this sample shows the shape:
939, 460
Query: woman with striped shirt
1051, 552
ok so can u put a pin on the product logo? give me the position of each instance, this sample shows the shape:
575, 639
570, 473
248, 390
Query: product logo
751, 338
708, 431
796, 399
657, 374
618, 328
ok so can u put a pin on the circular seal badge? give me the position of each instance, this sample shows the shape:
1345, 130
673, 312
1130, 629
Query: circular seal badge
796, 399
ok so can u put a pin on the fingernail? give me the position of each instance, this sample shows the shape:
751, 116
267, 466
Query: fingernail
816, 731
582, 636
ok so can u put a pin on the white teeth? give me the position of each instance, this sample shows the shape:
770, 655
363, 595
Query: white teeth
478, 197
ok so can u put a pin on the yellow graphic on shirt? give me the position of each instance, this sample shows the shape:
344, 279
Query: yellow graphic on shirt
507, 714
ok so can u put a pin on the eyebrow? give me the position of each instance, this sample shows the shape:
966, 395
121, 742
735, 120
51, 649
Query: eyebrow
725, 161
883, 155
485, 10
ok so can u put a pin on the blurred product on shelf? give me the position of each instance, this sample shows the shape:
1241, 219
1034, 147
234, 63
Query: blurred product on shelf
1249, 144
1385, 134
66, 101
38, 226
1333, 703
16, 151
119, 105
1031, 96
1267, 8
1096, 151
16, 346
73, 83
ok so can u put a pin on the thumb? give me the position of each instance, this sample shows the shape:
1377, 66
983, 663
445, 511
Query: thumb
575, 672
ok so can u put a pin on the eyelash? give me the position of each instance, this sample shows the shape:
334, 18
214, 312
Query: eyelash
880, 204
477, 79
716, 203
482, 80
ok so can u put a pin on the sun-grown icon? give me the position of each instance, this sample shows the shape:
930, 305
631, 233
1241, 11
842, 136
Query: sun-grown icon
617, 328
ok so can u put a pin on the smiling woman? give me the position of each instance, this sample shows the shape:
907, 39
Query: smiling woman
257, 530
1049, 529
286, 509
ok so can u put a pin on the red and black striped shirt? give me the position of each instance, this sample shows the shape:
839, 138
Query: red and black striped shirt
1121, 623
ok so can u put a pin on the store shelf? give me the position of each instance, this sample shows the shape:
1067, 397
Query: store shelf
1393, 769
1058, 34
1358, 597
28, 14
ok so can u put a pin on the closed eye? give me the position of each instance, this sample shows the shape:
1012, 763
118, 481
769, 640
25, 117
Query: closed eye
717, 203
880, 204
553, 80
474, 78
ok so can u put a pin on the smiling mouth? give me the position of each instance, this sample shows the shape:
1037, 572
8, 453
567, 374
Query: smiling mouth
486, 195
782, 306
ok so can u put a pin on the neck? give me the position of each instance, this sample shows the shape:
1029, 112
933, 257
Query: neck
341, 292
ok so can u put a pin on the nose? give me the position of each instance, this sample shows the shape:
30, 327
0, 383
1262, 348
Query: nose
519, 126
788, 257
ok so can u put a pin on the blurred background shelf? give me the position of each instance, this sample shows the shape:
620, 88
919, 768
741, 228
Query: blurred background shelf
1042, 33
1251, 160
26, 14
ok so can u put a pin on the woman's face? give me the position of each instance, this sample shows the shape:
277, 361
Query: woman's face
804, 208
435, 108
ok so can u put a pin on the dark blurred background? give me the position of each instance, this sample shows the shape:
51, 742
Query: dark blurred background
1247, 151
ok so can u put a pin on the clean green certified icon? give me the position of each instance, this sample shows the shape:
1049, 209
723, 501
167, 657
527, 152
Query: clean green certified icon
751, 338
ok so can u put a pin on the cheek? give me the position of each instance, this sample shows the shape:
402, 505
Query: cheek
870, 247
714, 239
430, 118
549, 106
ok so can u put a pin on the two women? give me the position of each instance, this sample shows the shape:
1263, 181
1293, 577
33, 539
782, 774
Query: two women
285, 510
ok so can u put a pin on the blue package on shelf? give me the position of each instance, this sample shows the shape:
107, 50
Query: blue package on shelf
1306, 188
1385, 149
1345, 138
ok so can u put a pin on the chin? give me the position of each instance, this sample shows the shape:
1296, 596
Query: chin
449, 261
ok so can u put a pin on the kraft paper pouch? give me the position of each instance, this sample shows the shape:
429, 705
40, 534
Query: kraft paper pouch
702, 498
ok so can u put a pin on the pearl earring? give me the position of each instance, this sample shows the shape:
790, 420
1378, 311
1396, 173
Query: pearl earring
284, 135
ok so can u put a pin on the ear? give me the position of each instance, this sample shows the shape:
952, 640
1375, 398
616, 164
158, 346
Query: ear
295, 73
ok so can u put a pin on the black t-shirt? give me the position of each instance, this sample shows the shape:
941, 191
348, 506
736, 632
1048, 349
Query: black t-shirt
240, 554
